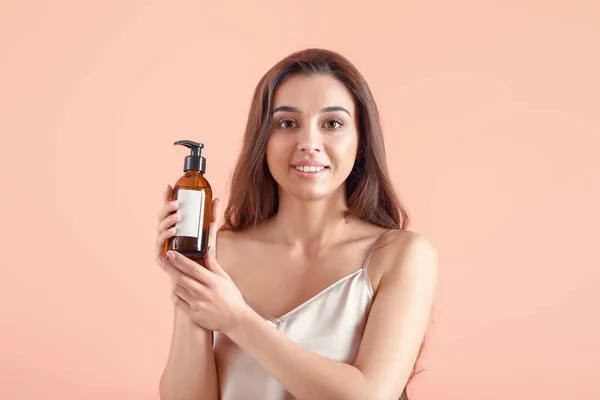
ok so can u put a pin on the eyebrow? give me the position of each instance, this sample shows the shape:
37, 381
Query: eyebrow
324, 110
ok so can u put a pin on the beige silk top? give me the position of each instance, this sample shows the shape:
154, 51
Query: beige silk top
330, 324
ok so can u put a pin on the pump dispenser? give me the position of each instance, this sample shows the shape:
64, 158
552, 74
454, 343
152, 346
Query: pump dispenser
194, 194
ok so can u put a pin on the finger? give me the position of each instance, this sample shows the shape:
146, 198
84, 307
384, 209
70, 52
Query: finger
214, 222
167, 209
162, 260
168, 222
178, 278
167, 194
190, 267
213, 265
162, 239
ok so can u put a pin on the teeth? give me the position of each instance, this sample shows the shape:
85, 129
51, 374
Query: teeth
312, 168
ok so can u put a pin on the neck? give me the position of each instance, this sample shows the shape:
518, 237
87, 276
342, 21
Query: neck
310, 225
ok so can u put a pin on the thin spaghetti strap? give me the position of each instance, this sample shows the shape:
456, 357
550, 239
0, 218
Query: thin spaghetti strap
372, 251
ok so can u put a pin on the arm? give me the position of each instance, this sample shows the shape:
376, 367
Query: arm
400, 310
190, 372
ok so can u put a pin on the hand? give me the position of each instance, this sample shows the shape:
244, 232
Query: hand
207, 295
168, 216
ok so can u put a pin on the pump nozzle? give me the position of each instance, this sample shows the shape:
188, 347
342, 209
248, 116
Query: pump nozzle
195, 161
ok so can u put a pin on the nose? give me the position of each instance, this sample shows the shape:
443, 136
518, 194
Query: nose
310, 140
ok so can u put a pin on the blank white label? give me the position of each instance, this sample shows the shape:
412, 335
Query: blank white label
191, 208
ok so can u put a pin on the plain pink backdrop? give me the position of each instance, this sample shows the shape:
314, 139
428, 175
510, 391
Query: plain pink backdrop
491, 117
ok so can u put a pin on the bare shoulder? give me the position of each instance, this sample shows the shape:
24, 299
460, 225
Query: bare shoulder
406, 243
407, 253
225, 242
230, 247
225, 238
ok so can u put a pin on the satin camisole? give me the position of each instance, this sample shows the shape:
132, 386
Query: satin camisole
330, 324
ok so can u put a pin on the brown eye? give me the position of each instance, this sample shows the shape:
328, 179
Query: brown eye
333, 124
286, 124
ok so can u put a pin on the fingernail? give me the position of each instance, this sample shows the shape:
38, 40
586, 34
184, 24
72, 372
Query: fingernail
171, 255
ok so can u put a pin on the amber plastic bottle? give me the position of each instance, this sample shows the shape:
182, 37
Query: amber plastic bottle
194, 194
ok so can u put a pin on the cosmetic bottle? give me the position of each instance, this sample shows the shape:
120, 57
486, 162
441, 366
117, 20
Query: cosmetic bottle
194, 194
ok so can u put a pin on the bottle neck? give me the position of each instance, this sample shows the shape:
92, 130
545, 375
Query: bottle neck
193, 173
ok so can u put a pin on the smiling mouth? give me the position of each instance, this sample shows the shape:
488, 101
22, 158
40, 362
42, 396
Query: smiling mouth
311, 168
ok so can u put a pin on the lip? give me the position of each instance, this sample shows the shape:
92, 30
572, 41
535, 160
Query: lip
308, 163
309, 175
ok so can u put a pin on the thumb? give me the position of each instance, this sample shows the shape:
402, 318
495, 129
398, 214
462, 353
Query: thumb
213, 265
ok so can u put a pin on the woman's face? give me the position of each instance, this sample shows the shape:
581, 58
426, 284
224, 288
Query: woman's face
314, 137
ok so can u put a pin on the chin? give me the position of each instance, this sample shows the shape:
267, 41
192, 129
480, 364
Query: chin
312, 195
309, 193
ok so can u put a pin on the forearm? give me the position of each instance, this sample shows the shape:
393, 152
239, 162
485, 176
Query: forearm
190, 372
306, 375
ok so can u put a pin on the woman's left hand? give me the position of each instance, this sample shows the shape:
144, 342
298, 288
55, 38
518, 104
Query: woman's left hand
206, 294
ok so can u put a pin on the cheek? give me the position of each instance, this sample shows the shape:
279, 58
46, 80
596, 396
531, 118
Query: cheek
275, 152
344, 153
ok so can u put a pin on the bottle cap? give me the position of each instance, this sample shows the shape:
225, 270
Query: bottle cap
195, 161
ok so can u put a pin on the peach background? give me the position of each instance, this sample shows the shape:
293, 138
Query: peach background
491, 114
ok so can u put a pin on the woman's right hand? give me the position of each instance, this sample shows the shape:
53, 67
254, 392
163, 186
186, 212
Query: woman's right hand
167, 218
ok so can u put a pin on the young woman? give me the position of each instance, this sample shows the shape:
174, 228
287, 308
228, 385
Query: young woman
318, 290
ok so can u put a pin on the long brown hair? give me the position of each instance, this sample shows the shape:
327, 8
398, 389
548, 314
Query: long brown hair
370, 193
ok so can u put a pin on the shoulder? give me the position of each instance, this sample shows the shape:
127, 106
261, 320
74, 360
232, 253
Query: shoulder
410, 244
229, 242
409, 255
233, 246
